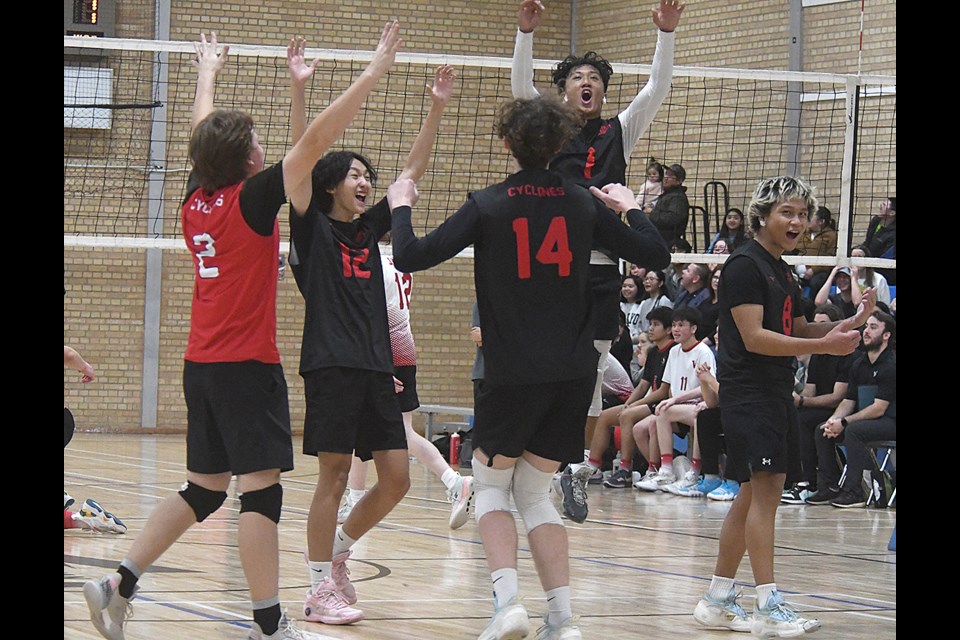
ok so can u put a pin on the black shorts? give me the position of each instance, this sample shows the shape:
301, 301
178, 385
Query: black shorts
351, 410
407, 398
238, 419
545, 419
762, 436
68, 427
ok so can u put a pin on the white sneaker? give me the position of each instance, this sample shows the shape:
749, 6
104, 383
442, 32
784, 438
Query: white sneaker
688, 480
510, 622
108, 609
344, 512
93, 517
286, 631
461, 501
67, 500
569, 630
725, 614
656, 481
777, 619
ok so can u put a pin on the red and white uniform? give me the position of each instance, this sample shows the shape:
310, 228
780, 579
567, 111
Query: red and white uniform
397, 287
681, 371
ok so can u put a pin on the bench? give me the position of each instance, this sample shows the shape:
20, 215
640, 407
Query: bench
431, 411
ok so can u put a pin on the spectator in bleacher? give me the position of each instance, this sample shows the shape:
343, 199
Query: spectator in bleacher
820, 239
675, 268
622, 347
868, 277
847, 296
653, 286
630, 296
672, 210
732, 233
694, 286
652, 186
881, 240
710, 310
825, 388
868, 413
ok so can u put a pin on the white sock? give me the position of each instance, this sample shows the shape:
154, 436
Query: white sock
318, 571
720, 588
558, 605
764, 592
714, 476
342, 542
505, 585
449, 478
355, 494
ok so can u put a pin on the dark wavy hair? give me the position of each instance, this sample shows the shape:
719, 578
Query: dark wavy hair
330, 171
536, 129
568, 64
219, 148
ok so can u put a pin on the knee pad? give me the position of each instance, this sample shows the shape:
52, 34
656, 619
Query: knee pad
531, 494
202, 501
491, 489
266, 501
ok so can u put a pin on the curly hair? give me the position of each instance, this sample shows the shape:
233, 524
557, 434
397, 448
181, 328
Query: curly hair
219, 148
568, 64
780, 189
536, 129
330, 171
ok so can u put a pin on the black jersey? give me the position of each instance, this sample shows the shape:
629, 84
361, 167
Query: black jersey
656, 365
337, 268
752, 276
532, 236
876, 380
825, 371
594, 157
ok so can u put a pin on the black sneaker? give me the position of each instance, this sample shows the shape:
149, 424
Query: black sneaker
849, 499
797, 494
824, 496
574, 489
619, 479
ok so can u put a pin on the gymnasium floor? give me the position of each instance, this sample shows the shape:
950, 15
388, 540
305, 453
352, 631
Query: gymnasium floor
638, 564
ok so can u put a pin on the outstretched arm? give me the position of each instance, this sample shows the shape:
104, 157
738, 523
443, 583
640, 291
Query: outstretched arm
73, 360
209, 62
300, 72
521, 72
333, 121
823, 296
440, 92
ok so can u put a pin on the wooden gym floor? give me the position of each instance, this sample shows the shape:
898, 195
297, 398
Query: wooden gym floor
638, 564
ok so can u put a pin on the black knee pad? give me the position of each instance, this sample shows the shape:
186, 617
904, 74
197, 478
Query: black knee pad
266, 501
202, 501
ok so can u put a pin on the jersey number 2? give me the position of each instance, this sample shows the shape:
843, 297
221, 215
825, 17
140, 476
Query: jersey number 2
555, 248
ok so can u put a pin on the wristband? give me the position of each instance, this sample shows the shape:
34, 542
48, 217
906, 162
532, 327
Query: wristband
843, 421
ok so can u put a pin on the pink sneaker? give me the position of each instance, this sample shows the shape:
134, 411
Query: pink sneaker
327, 605
341, 577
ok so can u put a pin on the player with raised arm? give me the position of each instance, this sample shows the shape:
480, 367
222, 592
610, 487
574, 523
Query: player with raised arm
238, 420
532, 235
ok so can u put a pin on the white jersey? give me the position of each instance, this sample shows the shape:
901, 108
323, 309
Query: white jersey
397, 287
681, 371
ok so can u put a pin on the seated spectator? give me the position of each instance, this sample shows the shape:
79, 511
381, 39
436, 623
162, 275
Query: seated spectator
652, 186
820, 239
637, 271
694, 286
710, 310
656, 296
719, 249
881, 240
630, 302
622, 347
672, 210
732, 234
867, 277
825, 388
868, 413
847, 296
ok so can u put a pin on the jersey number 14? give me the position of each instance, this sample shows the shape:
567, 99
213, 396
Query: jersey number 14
555, 248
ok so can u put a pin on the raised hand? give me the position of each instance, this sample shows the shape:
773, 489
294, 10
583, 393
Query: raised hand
667, 14
868, 304
442, 87
842, 339
209, 60
529, 15
616, 197
386, 53
300, 71
402, 193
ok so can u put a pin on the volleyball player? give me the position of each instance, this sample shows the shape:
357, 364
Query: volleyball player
238, 420
763, 327
597, 155
345, 359
532, 235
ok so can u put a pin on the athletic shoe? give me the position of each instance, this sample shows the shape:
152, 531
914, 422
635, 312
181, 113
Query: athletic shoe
341, 577
688, 481
619, 479
723, 614
848, 499
777, 619
67, 500
797, 494
108, 609
509, 622
703, 487
656, 481
726, 492
595, 478
574, 489
327, 604
286, 631
825, 495
461, 500
681, 464
344, 512
93, 517
569, 630
650, 473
